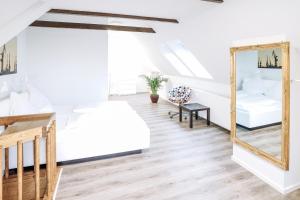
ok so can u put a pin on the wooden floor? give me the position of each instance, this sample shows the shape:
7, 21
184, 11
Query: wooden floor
267, 139
182, 164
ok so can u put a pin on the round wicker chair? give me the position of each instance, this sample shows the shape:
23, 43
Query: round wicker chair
179, 95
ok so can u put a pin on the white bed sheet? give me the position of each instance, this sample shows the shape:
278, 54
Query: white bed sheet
257, 110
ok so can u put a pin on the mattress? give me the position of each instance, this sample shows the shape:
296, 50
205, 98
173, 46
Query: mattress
257, 110
110, 127
63, 113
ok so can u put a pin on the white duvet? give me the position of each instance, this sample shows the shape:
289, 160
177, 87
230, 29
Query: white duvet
257, 110
256, 103
107, 128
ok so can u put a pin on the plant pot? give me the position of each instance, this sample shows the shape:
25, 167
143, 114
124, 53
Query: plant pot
154, 98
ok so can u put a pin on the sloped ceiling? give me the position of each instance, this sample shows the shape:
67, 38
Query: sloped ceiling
158, 8
9, 9
206, 29
185, 11
16, 15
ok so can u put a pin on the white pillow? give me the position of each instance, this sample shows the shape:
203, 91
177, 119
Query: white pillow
4, 107
275, 92
4, 90
4, 110
253, 86
268, 84
19, 84
20, 105
38, 100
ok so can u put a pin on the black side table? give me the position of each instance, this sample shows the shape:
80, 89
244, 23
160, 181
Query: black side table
194, 108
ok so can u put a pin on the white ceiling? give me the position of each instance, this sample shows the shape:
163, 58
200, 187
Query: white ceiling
157, 8
10, 8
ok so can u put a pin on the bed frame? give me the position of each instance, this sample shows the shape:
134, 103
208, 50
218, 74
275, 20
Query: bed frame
95, 158
259, 127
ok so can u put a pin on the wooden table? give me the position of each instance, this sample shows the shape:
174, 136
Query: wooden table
194, 108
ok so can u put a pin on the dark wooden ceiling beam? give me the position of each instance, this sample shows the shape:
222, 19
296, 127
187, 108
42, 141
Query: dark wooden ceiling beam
214, 1
53, 24
113, 15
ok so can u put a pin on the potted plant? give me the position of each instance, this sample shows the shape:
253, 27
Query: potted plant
154, 81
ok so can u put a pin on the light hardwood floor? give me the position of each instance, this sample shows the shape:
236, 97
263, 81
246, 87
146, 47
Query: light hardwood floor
182, 164
267, 139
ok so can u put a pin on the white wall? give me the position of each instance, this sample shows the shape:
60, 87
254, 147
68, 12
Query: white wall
69, 66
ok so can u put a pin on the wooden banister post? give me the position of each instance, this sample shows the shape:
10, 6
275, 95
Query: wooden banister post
37, 166
48, 163
53, 150
1, 179
6, 159
6, 162
54, 142
20, 170
52, 157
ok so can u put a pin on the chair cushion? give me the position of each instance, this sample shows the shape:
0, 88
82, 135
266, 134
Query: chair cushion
180, 95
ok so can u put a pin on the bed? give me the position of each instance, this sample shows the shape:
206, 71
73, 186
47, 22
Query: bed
257, 110
258, 102
84, 132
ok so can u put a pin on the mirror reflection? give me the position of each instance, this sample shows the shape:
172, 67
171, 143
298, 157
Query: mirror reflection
259, 99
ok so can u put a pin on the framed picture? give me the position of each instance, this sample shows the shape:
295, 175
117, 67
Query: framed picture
8, 58
270, 58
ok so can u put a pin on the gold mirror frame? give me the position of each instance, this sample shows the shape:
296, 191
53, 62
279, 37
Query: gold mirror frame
284, 161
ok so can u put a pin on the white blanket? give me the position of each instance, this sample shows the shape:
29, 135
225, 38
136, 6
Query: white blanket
108, 128
257, 110
256, 103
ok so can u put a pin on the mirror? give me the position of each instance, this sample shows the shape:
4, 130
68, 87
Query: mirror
260, 100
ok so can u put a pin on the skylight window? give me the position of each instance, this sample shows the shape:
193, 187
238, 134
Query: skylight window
174, 60
187, 59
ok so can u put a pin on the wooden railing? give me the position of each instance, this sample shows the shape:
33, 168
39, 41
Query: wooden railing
40, 183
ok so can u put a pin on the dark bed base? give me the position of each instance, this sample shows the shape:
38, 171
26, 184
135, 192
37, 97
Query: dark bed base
77, 161
259, 127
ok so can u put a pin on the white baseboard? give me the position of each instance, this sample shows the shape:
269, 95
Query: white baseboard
292, 188
276, 186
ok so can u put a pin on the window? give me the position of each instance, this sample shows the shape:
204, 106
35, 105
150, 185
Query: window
184, 60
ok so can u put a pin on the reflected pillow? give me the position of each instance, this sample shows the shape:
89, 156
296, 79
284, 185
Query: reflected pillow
269, 84
253, 86
20, 105
275, 92
39, 100
4, 90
